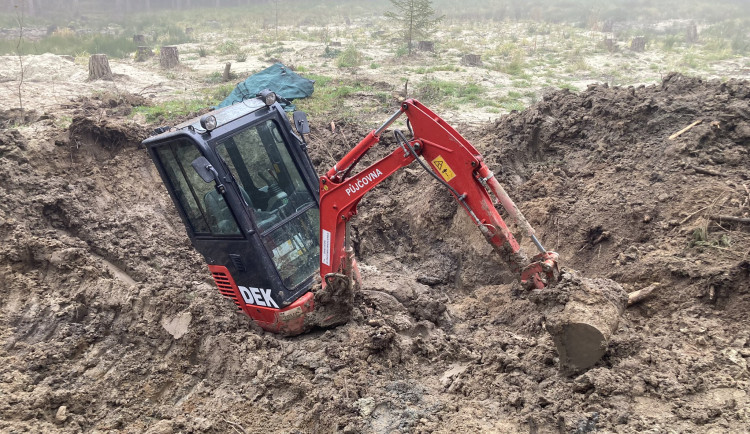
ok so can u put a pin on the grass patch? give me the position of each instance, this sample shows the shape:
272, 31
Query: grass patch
119, 44
328, 95
568, 86
71, 44
180, 108
349, 58
450, 94
516, 64
331, 53
169, 34
169, 110
669, 42
438, 68
690, 60
521, 83
228, 47
513, 105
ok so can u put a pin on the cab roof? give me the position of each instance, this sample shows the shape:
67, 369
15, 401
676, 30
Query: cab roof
223, 115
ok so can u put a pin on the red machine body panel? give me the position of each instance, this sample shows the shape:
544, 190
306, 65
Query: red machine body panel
289, 320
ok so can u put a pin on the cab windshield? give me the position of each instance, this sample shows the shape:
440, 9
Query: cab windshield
285, 211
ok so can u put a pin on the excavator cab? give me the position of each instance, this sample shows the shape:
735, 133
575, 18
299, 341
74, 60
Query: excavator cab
247, 193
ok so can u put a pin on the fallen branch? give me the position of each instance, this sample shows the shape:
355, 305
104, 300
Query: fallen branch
237, 427
687, 128
140, 92
729, 218
691, 215
706, 171
640, 295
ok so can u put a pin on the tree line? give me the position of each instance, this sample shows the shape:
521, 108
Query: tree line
43, 8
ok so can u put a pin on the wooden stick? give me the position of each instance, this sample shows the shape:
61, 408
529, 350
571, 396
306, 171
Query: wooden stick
730, 218
691, 215
687, 128
237, 427
640, 295
706, 171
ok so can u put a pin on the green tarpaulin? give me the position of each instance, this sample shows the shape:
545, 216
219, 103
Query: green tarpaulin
277, 78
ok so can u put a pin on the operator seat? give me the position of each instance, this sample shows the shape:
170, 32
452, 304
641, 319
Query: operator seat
219, 216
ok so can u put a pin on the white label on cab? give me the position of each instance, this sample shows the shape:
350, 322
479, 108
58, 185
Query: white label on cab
326, 248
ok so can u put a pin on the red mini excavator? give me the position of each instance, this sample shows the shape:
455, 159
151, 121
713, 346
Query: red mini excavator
266, 224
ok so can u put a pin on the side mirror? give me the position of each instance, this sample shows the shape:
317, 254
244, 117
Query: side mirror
300, 122
207, 172
204, 169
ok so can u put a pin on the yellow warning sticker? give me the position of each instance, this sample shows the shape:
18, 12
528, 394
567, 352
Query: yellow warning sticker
443, 169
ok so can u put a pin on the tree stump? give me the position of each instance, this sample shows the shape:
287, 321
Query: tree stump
99, 67
609, 44
691, 33
169, 57
638, 44
143, 53
139, 39
471, 60
227, 75
426, 46
581, 315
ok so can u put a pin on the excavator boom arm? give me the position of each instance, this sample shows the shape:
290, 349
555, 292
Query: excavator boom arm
454, 162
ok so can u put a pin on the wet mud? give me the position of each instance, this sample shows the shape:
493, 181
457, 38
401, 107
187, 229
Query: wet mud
109, 320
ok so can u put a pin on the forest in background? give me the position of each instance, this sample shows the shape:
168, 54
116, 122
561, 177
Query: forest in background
539, 10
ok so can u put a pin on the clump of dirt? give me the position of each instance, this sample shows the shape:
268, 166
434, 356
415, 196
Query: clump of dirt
16, 116
103, 119
110, 320
112, 134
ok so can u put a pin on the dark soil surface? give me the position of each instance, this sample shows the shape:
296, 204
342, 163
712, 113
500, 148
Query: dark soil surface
109, 320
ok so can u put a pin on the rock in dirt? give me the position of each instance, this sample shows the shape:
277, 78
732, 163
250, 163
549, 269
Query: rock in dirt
582, 314
62, 414
178, 325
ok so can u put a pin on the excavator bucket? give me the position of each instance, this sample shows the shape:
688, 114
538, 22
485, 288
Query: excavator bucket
333, 302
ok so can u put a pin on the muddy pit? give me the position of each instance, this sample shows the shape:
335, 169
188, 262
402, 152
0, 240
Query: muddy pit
110, 321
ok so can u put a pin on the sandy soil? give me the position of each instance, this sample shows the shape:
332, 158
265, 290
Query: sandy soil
110, 321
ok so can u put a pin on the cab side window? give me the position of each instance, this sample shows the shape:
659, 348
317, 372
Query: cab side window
205, 208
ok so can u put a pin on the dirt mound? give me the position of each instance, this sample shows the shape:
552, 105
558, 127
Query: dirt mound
110, 321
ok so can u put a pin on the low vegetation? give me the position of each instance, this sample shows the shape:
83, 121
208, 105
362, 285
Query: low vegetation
523, 49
